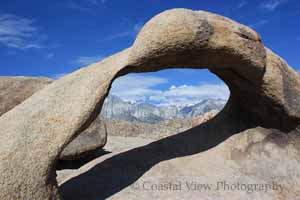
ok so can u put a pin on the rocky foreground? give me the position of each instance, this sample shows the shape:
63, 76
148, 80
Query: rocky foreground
255, 164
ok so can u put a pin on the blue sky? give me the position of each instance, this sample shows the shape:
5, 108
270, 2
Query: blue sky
52, 38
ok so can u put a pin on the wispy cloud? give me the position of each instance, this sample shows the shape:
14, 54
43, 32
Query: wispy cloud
132, 31
79, 7
87, 60
20, 33
50, 55
137, 81
271, 5
259, 23
137, 27
298, 38
86, 6
139, 88
240, 5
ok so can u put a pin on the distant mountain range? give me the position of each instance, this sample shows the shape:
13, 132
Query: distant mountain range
116, 108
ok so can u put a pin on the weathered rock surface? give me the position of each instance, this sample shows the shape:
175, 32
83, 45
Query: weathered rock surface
264, 92
93, 138
15, 90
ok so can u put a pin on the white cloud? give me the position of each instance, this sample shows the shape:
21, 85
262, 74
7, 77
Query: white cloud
134, 81
172, 87
87, 60
190, 94
298, 38
271, 5
139, 88
20, 33
259, 23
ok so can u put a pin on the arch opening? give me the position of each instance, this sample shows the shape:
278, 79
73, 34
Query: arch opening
156, 99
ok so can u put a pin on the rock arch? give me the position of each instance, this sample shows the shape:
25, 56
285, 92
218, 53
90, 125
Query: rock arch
264, 91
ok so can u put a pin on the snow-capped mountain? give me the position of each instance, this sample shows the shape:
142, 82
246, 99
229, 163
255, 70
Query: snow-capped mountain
116, 108
203, 107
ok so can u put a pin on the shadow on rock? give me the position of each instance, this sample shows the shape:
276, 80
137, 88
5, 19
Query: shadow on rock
76, 164
118, 172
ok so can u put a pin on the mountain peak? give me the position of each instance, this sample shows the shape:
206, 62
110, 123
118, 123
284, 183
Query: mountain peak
115, 107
